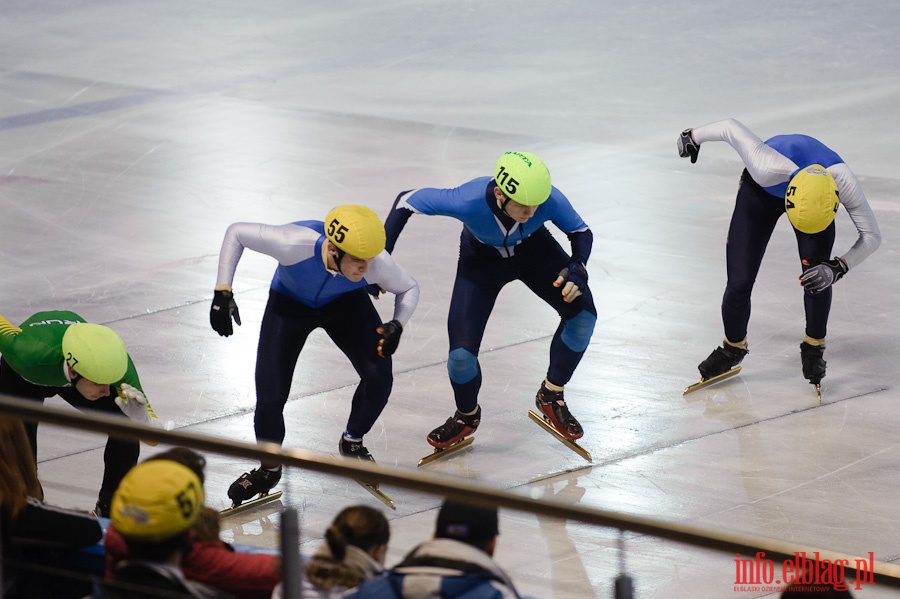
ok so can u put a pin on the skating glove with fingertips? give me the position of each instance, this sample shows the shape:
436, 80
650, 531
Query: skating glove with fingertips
687, 146
223, 309
573, 280
823, 275
390, 338
134, 404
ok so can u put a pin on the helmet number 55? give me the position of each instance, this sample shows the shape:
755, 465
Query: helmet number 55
336, 230
506, 182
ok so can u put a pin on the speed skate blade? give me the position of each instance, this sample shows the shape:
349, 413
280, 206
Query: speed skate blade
559, 436
819, 392
713, 380
442, 453
376, 492
249, 505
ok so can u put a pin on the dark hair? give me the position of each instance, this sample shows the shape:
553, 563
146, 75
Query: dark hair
360, 526
185, 457
470, 524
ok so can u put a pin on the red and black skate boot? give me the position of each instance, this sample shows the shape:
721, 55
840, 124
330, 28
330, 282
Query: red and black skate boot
721, 360
457, 427
258, 481
552, 407
813, 362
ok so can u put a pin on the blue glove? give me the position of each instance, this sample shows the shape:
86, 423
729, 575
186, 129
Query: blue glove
687, 146
823, 275
374, 290
573, 280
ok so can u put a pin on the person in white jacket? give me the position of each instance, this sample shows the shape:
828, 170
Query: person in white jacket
801, 176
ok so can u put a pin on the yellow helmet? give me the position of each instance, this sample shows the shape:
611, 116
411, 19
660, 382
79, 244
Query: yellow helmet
156, 500
355, 230
811, 199
95, 352
523, 178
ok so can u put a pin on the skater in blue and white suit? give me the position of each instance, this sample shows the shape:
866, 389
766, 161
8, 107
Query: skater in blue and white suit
801, 176
504, 239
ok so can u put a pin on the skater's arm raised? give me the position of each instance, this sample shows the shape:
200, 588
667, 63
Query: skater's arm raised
766, 165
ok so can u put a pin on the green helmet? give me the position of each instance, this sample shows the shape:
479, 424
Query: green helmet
95, 352
355, 230
523, 178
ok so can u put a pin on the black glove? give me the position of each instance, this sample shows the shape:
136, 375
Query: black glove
390, 338
222, 310
573, 280
823, 275
374, 290
687, 147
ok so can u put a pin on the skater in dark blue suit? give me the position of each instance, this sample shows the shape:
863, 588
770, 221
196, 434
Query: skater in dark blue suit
504, 239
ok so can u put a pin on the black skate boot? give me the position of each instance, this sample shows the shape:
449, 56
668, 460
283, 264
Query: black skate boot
256, 482
813, 363
455, 429
553, 407
354, 449
721, 360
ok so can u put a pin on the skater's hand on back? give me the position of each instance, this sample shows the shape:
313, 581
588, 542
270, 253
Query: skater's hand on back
687, 146
374, 290
573, 280
390, 338
222, 310
822, 276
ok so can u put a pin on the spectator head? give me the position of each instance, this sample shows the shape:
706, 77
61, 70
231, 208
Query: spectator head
476, 526
360, 526
154, 507
18, 473
185, 457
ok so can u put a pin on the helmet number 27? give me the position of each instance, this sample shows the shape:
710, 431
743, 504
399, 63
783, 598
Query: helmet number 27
506, 182
336, 230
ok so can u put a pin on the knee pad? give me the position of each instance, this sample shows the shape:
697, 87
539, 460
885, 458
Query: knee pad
462, 366
577, 331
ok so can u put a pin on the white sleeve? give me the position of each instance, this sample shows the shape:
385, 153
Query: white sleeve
854, 201
289, 244
766, 165
388, 275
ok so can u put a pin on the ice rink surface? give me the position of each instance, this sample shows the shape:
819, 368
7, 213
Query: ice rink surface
134, 133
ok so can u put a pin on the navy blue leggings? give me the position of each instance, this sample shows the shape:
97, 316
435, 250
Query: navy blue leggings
752, 223
350, 321
481, 274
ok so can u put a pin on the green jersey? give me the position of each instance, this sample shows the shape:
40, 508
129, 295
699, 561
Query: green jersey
34, 349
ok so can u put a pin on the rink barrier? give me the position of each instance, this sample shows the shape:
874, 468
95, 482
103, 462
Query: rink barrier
454, 488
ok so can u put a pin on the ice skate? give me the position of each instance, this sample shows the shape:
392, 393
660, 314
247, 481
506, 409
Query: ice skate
350, 448
722, 363
813, 365
258, 482
453, 435
554, 417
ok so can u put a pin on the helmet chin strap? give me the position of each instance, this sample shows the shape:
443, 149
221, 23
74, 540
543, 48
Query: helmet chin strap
338, 258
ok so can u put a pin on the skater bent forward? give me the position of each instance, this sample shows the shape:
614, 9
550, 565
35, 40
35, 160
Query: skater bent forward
504, 239
58, 353
321, 278
801, 176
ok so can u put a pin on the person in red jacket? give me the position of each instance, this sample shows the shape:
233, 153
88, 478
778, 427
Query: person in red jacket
209, 560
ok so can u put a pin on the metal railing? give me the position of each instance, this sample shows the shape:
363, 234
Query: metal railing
881, 572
